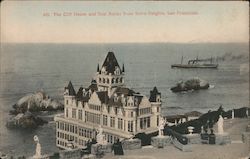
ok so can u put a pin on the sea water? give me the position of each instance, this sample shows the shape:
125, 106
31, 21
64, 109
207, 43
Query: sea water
26, 68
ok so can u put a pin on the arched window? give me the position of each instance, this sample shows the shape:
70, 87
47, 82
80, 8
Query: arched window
117, 79
113, 80
103, 80
107, 80
121, 80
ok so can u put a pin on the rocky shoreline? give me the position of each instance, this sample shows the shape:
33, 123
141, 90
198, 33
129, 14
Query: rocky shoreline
29, 111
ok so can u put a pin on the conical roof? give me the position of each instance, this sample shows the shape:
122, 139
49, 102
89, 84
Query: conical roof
110, 63
71, 89
153, 94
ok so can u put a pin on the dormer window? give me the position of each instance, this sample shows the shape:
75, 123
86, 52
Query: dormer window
130, 104
117, 71
136, 101
66, 92
103, 70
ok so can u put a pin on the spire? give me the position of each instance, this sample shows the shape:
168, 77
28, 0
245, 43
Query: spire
123, 69
79, 94
98, 69
153, 94
110, 63
71, 89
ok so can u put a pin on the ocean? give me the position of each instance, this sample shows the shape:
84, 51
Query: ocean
27, 68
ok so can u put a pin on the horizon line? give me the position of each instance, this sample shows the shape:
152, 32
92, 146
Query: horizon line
124, 42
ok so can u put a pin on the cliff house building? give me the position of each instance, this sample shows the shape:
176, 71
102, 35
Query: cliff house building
107, 102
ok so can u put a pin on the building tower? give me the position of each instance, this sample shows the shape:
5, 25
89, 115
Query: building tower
69, 96
155, 100
110, 75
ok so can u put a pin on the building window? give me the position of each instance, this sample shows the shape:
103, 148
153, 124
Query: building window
145, 111
148, 122
107, 80
120, 123
80, 114
145, 122
103, 80
158, 98
73, 113
157, 123
116, 109
105, 120
100, 80
116, 80
92, 117
95, 107
130, 126
131, 114
158, 109
67, 113
113, 80
121, 80
67, 102
112, 122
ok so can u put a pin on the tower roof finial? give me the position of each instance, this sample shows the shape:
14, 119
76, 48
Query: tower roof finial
123, 68
98, 69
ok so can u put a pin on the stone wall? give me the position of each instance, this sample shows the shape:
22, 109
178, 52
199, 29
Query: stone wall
222, 139
160, 142
185, 148
131, 144
193, 138
70, 154
246, 139
97, 148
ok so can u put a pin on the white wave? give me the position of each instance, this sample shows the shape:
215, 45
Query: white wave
211, 86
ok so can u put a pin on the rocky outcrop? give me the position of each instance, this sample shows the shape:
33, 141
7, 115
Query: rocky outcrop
25, 112
25, 120
191, 84
36, 102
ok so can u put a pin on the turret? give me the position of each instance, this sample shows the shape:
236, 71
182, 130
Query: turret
69, 97
109, 75
155, 100
69, 90
155, 96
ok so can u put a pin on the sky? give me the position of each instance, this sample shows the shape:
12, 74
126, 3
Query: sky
124, 21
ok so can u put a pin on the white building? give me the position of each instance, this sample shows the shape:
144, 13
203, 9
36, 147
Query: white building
120, 111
